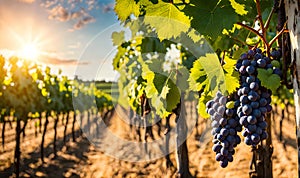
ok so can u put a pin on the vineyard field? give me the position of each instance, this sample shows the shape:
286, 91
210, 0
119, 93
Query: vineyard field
83, 159
150, 88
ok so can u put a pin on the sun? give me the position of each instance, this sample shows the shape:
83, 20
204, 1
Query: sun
29, 51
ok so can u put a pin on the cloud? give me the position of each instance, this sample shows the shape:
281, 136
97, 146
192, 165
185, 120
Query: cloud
60, 61
77, 12
45, 58
27, 1
83, 22
59, 13
108, 8
75, 45
49, 3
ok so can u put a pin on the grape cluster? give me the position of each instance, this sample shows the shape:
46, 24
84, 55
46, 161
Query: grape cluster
254, 99
225, 125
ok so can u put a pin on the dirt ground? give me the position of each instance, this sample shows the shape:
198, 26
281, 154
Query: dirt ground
83, 159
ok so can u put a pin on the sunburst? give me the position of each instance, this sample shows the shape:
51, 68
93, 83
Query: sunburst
29, 51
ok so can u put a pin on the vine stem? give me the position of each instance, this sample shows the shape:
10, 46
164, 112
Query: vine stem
277, 36
259, 17
253, 31
269, 18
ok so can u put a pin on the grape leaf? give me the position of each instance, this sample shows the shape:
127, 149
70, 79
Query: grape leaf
232, 82
118, 38
197, 76
202, 105
270, 81
239, 8
231, 76
208, 16
214, 72
166, 19
124, 8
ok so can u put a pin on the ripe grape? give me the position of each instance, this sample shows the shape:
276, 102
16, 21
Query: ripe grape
254, 98
225, 123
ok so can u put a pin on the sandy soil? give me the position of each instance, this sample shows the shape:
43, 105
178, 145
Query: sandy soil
83, 159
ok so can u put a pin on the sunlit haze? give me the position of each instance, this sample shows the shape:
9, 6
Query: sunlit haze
59, 34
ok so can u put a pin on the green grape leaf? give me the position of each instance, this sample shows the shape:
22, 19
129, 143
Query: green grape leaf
124, 8
229, 64
197, 77
117, 59
232, 82
160, 88
167, 19
214, 72
118, 38
208, 16
231, 76
204, 98
164, 92
239, 8
270, 81
194, 35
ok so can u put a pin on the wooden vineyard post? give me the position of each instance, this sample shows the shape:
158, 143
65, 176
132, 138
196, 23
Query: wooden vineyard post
293, 16
261, 163
182, 157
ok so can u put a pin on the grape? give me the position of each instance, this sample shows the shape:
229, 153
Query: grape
209, 104
255, 138
251, 53
261, 63
229, 112
245, 90
250, 69
245, 62
253, 63
254, 99
225, 123
276, 54
224, 163
254, 105
219, 157
247, 109
257, 56
263, 102
244, 99
256, 113
253, 96
222, 100
257, 50
216, 147
254, 86
251, 119
250, 79
277, 71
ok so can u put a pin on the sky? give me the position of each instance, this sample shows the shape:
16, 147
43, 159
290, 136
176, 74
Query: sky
71, 35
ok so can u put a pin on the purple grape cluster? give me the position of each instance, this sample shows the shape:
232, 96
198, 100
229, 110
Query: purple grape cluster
225, 125
254, 99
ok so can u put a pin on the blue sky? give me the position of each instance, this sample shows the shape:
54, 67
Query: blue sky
73, 35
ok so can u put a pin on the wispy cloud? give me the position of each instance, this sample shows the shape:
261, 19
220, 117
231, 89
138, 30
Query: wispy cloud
76, 11
82, 22
27, 1
47, 58
59, 13
75, 46
106, 8
59, 61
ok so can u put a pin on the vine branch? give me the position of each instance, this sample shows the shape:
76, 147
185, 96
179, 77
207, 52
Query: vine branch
277, 36
253, 31
259, 17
